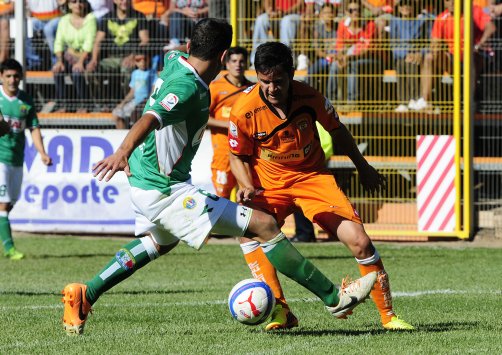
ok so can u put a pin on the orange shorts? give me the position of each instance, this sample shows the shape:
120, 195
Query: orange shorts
222, 177
313, 193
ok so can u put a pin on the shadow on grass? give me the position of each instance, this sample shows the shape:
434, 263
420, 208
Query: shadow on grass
325, 257
65, 256
425, 328
111, 293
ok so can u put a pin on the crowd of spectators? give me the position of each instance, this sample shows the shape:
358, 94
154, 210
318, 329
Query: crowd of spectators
96, 42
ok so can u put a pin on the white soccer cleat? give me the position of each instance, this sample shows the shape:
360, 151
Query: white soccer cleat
351, 294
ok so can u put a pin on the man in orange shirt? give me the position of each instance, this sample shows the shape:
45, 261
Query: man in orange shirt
280, 167
224, 92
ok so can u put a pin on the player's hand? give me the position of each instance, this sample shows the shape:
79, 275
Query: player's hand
47, 160
372, 180
106, 168
245, 194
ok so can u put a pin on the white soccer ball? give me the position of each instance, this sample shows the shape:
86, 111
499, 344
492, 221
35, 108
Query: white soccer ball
251, 301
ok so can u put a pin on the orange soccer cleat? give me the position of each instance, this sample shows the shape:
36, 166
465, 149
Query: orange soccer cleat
76, 308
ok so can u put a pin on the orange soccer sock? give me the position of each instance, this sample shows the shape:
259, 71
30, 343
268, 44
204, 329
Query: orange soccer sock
262, 269
381, 290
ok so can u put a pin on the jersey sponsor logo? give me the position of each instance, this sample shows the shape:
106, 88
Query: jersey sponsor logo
294, 155
16, 125
250, 114
169, 101
125, 259
202, 95
260, 134
302, 125
189, 203
172, 55
286, 137
233, 143
232, 129
223, 92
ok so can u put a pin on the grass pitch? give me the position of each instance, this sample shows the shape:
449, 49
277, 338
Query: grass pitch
177, 304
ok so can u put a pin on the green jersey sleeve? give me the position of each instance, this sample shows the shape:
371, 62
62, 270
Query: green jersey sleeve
171, 102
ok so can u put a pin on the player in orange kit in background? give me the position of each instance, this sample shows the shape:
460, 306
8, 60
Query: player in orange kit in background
279, 164
224, 92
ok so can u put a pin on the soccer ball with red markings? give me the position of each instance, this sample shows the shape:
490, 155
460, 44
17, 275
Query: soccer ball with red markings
251, 301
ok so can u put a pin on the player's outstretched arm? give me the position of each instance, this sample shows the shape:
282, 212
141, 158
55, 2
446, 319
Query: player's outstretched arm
118, 161
371, 179
241, 171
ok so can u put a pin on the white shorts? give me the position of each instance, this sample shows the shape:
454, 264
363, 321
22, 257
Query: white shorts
11, 178
189, 214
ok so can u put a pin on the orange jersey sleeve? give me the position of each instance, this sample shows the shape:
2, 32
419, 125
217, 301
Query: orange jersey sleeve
281, 148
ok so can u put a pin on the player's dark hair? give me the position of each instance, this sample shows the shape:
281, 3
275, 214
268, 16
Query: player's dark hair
209, 38
271, 56
236, 50
11, 64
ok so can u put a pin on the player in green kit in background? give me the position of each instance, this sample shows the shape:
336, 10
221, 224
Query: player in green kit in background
156, 155
18, 113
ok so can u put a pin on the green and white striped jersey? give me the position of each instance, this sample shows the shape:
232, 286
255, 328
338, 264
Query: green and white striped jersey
180, 101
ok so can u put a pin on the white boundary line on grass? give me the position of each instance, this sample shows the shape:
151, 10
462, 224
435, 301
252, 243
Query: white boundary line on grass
397, 294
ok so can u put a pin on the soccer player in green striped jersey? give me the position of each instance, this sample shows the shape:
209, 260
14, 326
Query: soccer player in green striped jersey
18, 112
156, 155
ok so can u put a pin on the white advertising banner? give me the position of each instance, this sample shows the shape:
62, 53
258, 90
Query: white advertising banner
66, 198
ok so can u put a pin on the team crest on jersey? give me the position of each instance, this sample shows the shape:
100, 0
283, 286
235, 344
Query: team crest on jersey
24, 109
233, 143
232, 129
125, 259
169, 101
189, 203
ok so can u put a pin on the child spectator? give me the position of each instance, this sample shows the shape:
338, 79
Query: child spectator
73, 46
407, 32
140, 86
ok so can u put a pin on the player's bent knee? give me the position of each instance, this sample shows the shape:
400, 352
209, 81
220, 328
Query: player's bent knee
262, 225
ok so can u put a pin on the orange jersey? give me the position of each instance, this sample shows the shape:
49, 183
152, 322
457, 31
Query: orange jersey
223, 96
280, 149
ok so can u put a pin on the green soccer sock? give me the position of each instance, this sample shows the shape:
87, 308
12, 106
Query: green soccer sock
6, 233
287, 260
127, 260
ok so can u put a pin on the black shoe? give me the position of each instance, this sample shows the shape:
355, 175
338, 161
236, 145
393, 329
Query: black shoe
303, 239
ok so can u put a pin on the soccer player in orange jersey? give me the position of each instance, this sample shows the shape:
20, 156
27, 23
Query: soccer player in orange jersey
280, 167
224, 92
